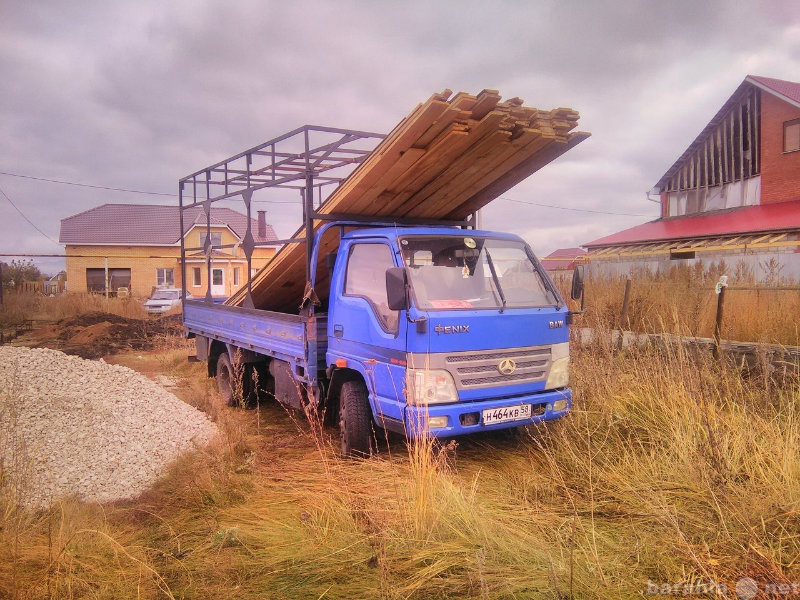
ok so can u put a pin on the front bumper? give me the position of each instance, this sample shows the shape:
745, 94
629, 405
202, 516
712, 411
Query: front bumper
467, 417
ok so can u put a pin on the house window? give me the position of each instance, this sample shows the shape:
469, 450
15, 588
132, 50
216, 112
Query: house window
236, 276
117, 278
216, 239
791, 136
165, 277
196, 276
216, 277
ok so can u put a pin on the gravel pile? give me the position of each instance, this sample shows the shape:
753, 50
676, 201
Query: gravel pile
70, 426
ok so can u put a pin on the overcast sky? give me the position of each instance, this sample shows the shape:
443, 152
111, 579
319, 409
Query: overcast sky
136, 95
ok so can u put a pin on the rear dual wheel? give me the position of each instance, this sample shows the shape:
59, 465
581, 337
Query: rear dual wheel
235, 385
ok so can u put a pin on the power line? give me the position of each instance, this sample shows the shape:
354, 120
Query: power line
117, 189
586, 210
11, 202
88, 185
130, 191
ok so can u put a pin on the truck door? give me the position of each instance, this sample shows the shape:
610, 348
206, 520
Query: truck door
362, 329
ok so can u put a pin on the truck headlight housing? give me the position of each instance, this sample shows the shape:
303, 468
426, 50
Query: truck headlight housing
559, 367
430, 386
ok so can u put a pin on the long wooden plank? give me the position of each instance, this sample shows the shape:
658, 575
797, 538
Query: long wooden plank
442, 156
420, 202
390, 150
453, 115
524, 146
486, 102
363, 204
446, 146
504, 157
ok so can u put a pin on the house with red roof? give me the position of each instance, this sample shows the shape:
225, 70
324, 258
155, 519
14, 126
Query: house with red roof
563, 261
732, 196
135, 248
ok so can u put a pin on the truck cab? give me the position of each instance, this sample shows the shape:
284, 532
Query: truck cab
443, 331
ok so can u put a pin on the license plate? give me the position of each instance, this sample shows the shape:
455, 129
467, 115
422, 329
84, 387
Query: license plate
504, 414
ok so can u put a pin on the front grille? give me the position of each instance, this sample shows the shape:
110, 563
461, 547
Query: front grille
499, 380
493, 367
475, 369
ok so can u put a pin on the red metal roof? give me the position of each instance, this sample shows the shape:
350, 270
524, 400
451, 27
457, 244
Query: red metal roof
780, 216
149, 224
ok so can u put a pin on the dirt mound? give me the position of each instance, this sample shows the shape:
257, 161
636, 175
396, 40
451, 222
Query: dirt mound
92, 318
98, 334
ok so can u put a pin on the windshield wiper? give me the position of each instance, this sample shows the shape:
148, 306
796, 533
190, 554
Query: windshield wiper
496, 279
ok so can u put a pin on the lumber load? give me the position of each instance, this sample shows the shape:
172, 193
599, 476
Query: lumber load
452, 155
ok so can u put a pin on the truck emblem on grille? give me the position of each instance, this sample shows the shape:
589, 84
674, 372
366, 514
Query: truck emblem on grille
507, 366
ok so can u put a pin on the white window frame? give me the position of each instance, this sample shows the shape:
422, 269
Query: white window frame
791, 134
216, 238
214, 271
162, 279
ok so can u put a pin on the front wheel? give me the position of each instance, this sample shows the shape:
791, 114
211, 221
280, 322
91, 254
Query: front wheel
355, 420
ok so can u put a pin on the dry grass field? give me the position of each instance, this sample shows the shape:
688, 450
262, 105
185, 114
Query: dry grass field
674, 474
18, 307
685, 303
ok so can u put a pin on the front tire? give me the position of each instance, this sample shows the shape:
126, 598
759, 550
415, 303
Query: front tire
355, 420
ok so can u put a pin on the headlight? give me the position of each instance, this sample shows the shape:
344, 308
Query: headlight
432, 386
559, 367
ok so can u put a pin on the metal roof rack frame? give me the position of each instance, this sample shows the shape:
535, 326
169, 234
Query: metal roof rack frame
309, 159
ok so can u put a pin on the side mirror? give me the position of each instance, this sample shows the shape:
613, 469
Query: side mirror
397, 288
577, 282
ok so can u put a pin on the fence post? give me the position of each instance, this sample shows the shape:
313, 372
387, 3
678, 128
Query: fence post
720, 290
624, 314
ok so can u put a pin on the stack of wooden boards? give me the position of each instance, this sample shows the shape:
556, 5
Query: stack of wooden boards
450, 157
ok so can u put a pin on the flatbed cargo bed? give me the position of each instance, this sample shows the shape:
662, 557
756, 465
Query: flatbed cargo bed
272, 334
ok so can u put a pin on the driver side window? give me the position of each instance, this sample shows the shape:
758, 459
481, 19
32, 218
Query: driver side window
366, 277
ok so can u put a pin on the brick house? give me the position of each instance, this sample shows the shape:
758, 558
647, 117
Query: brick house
135, 248
732, 198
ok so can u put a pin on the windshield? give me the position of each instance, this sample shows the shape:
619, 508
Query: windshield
166, 295
473, 272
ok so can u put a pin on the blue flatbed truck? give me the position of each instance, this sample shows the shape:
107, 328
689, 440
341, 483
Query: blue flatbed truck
425, 329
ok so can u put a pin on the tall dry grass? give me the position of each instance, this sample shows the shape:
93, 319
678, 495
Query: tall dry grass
17, 308
672, 470
684, 302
